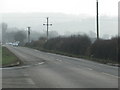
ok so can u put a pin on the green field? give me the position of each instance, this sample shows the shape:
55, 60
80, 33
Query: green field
8, 58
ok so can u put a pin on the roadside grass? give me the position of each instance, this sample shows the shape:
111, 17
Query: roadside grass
8, 58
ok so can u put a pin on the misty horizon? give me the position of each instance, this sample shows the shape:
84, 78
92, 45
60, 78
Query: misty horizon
62, 23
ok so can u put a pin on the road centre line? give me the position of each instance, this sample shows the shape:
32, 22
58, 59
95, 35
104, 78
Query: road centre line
89, 68
41, 63
58, 60
30, 81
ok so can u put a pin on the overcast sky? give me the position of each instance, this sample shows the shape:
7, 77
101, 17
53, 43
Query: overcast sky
77, 7
74, 14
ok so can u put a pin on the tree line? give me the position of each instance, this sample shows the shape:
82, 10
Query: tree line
81, 45
14, 34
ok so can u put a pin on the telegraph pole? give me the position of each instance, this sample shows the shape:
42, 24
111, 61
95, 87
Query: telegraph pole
29, 34
97, 20
47, 26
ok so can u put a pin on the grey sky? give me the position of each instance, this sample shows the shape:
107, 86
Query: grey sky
77, 7
67, 16
62, 23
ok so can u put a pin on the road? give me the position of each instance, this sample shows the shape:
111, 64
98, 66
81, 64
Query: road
46, 70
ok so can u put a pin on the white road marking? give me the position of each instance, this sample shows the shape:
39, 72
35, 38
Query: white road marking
41, 63
110, 75
95, 66
88, 68
58, 60
30, 81
19, 67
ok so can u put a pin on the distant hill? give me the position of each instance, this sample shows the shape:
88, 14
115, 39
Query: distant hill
62, 23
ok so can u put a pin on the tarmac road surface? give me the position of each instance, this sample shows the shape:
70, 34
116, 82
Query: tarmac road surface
47, 70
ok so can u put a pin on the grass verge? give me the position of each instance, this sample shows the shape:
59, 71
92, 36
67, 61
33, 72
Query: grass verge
9, 59
103, 61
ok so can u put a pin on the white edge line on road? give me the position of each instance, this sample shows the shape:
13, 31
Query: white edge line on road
110, 75
36, 50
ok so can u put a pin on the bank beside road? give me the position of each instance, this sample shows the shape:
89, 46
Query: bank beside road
9, 59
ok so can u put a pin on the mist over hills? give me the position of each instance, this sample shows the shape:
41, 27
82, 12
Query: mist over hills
64, 24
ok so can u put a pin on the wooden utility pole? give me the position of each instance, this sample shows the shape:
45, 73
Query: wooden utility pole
47, 26
97, 20
29, 34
